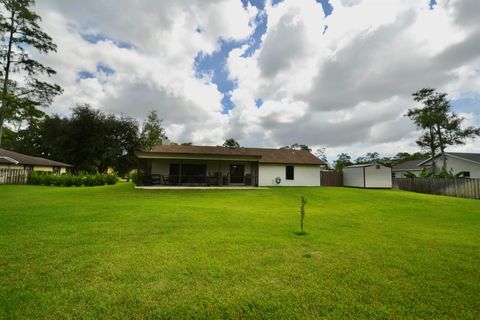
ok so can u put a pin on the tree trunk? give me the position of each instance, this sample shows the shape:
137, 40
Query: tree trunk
442, 147
3, 110
432, 147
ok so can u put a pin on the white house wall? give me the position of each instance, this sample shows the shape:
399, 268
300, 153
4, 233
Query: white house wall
353, 177
458, 165
304, 175
378, 177
43, 168
401, 173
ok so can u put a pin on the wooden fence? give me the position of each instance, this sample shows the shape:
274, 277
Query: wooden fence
331, 179
13, 176
463, 188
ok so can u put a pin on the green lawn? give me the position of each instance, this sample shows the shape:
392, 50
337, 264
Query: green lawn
117, 252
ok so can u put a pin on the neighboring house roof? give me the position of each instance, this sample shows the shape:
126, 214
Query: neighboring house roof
7, 160
29, 160
472, 157
409, 165
285, 156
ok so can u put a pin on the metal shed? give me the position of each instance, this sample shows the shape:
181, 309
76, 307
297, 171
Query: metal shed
369, 175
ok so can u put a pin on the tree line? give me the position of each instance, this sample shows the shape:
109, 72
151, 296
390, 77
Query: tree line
89, 139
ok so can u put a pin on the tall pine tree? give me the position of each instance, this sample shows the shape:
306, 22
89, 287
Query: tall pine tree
22, 84
441, 127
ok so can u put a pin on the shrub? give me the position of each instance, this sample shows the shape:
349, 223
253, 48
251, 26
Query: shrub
57, 180
67, 180
134, 176
444, 174
89, 180
77, 180
99, 179
111, 179
46, 179
34, 178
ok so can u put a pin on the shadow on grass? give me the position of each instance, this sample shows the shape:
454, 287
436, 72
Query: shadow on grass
300, 233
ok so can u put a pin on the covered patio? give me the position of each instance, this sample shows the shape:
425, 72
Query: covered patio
197, 171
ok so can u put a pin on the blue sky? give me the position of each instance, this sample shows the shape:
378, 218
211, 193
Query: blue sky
214, 64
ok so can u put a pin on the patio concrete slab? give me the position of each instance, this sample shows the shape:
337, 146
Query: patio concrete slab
197, 188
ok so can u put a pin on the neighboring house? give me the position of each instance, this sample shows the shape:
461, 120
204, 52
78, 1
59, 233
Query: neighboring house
369, 175
466, 163
412, 166
15, 160
201, 165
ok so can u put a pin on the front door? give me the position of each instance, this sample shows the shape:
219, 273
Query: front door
237, 173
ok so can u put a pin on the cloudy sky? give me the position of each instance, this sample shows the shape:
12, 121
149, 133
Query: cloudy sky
327, 73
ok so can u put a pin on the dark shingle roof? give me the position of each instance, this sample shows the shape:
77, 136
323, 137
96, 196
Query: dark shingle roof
409, 165
29, 160
475, 157
263, 155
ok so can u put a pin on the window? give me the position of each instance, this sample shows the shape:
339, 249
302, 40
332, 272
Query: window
289, 173
56, 169
28, 168
465, 174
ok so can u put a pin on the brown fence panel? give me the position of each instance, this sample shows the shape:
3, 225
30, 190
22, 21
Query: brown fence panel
331, 179
13, 176
463, 188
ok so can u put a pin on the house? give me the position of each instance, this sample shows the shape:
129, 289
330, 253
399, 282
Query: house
368, 175
412, 166
15, 160
467, 164
221, 166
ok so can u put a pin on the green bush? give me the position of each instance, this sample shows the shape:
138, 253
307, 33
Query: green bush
58, 180
68, 179
89, 180
99, 179
46, 179
77, 180
34, 178
134, 176
111, 179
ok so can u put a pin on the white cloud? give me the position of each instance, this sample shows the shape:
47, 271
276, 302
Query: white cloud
355, 80
346, 89
157, 72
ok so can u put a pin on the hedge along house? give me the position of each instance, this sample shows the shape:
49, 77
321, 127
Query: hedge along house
220, 166
369, 175
19, 161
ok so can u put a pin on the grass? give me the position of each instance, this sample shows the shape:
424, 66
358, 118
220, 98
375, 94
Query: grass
116, 252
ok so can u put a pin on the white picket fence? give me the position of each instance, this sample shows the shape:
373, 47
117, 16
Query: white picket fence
13, 176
